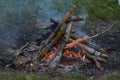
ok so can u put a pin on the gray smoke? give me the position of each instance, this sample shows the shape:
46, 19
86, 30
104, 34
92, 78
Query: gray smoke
79, 27
18, 18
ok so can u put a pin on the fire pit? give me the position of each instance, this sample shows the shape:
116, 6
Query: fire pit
61, 51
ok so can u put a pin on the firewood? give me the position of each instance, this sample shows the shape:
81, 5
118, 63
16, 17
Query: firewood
76, 19
62, 47
104, 55
62, 33
53, 41
47, 46
97, 63
95, 50
76, 42
93, 59
19, 51
91, 54
68, 14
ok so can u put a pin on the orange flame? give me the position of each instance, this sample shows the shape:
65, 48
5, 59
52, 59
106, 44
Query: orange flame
49, 55
67, 55
66, 51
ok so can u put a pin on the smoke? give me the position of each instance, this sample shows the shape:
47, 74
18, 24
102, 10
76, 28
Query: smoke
18, 18
53, 8
79, 27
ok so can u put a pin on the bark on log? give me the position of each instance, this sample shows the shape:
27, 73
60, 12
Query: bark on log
64, 20
48, 46
62, 47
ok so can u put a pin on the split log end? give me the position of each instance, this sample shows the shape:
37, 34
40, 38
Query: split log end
74, 6
104, 55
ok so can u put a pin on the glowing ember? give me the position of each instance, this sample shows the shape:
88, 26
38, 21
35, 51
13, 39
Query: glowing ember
83, 58
69, 56
49, 55
31, 64
52, 53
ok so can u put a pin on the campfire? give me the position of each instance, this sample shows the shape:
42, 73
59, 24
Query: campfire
62, 48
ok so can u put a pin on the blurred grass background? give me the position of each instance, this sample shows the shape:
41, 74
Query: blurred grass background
28, 12
106, 9
67, 76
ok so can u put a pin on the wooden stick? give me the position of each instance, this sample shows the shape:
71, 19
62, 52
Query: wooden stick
77, 41
93, 51
97, 63
75, 19
18, 51
59, 54
64, 20
105, 30
93, 59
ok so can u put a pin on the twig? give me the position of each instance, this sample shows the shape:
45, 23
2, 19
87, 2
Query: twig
18, 52
98, 34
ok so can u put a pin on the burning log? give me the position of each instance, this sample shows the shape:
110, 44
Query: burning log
64, 41
77, 41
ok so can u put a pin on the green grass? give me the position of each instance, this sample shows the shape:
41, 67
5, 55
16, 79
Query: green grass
105, 9
112, 76
21, 76
33, 76
68, 76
